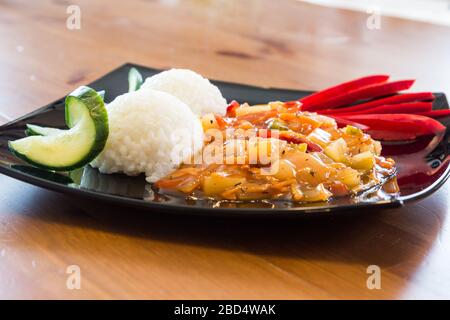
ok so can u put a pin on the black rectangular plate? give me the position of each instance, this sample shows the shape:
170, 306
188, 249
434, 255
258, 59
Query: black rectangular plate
422, 164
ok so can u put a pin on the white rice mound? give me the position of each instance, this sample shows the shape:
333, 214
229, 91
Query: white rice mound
191, 88
150, 132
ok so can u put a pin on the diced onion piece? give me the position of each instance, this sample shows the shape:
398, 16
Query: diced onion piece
377, 147
284, 170
337, 150
310, 170
363, 161
242, 111
215, 183
297, 194
317, 194
319, 136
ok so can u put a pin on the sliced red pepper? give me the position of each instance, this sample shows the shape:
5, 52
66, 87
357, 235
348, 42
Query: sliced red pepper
400, 98
368, 92
339, 89
290, 137
435, 113
231, 108
410, 107
397, 126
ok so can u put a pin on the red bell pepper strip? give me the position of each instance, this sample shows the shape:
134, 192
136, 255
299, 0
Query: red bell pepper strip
400, 98
339, 89
231, 108
368, 92
435, 113
291, 137
397, 126
411, 107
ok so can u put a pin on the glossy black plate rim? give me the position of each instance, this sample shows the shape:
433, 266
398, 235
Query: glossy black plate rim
143, 204
192, 210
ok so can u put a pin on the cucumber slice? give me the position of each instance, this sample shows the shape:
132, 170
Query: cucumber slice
135, 80
102, 93
73, 148
34, 130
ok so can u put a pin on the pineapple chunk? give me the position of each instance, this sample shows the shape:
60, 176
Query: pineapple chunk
301, 147
349, 177
363, 161
276, 124
242, 111
209, 122
353, 131
215, 183
284, 170
337, 150
319, 136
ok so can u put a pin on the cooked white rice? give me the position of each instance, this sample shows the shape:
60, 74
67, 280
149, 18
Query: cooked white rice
191, 88
150, 132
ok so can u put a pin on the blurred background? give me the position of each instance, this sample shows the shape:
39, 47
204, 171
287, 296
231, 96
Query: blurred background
432, 11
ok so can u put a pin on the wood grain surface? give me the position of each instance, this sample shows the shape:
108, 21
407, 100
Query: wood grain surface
128, 254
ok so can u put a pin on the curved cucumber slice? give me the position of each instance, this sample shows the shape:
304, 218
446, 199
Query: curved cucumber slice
34, 130
102, 93
69, 149
135, 80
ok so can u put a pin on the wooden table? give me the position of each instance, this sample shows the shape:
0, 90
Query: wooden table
127, 254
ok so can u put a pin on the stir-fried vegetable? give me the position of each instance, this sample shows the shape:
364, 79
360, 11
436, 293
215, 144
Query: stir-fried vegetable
275, 151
